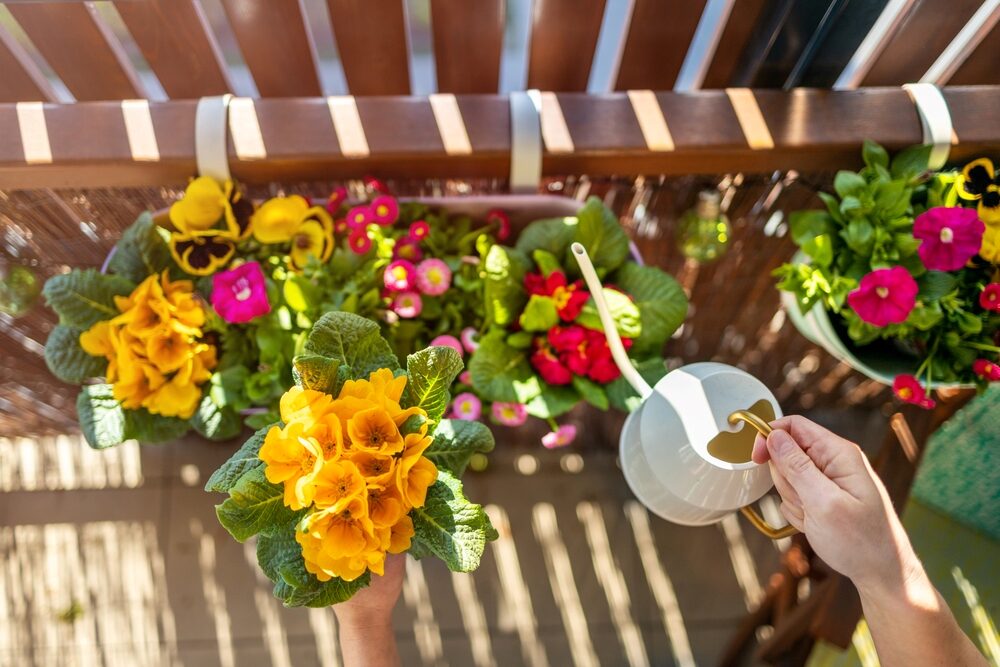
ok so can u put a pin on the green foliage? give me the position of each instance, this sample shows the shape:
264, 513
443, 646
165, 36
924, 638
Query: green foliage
82, 298
450, 527
660, 301
540, 314
599, 232
456, 441
503, 291
591, 392
105, 423
254, 505
314, 371
623, 397
624, 312
553, 235
141, 252
355, 342
553, 401
244, 459
501, 372
431, 372
216, 422
67, 360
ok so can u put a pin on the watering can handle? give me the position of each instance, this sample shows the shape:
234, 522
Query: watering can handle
749, 512
618, 352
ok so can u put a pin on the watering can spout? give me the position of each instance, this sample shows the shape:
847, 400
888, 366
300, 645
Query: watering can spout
618, 352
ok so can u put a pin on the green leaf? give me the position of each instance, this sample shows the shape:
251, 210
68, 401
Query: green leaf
352, 340
105, 423
244, 459
67, 360
503, 290
925, 316
455, 443
620, 393
591, 392
553, 401
337, 590
820, 249
660, 300
540, 314
82, 298
431, 372
911, 163
553, 235
141, 252
935, 284
216, 422
521, 339
599, 232
874, 154
806, 225
546, 261
501, 372
314, 371
255, 505
848, 183
624, 312
450, 527
300, 293
859, 236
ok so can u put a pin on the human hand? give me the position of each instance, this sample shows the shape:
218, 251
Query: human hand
372, 606
830, 492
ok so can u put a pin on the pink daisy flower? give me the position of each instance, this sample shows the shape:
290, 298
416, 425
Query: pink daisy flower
949, 237
376, 185
358, 217
884, 296
398, 276
420, 230
359, 241
469, 339
509, 414
989, 298
466, 406
986, 369
433, 277
502, 221
908, 389
562, 436
407, 305
385, 210
449, 341
336, 199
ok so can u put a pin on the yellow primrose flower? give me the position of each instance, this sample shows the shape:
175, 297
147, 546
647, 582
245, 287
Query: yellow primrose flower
345, 528
277, 220
299, 403
136, 383
175, 398
377, 468
294, 460
99, 340
414, 472
383, 390
168, 349
402, 534
385, 506
374, 430
337, 482
990, 250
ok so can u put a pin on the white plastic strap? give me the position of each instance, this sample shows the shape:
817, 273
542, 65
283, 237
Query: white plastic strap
935, 119
525, 141
211, 126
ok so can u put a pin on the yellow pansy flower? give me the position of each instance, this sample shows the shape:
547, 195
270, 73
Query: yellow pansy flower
312, 238
293, 460
202, 206
990, 250
277, 219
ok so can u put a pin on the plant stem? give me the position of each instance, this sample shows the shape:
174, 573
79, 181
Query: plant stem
980, 346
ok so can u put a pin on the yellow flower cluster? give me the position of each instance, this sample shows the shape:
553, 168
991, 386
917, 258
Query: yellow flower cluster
155, 357
346, 459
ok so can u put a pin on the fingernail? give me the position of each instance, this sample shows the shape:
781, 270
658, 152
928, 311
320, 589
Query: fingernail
781, 443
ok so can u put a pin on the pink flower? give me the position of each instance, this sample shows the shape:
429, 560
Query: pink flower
419, 230
359, 217
885, 296
336, 198
989, 298
560, 437
408, 248
433, 277
466, 406
465, 378
949, 237
469, 336
340, 226
385, 210
502, 221
509, 414
240, 294
986, 369
407, 305
907, 388
399, 275
359, 241
449, 341
375, 185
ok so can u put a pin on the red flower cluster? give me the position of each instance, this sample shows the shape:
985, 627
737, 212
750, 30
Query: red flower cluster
575, 350
569, 297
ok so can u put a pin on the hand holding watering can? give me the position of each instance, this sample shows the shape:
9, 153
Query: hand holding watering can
684, 450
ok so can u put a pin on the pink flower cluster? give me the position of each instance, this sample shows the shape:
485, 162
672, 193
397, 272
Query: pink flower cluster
407, 281
383, 211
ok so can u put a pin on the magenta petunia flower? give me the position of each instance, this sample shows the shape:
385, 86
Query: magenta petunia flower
419, 230
240, 294
359, 241
502, 221
986, 369
562, 436
466, 406
949, 237
385, 210
908, 389
407, 305
359, 217
449, 341
884, 296
509, 414
989, 298
399, 276
336, 199
469, 339
433, 277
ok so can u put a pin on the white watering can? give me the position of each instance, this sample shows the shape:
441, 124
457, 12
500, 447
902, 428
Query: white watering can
684, 452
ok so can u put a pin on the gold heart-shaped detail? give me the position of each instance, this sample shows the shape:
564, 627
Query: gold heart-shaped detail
736, 447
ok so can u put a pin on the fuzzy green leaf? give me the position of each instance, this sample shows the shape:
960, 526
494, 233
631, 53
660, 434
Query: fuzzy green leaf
591, 392
314, 371
450, 527
553, 401
540, 314
105, 423
255, 505
624, 312
84, 297
141, 252
503, 291
431, 372
67, 360
455, 443
553, 235
661, 303
352, 340
216, 422
501, 372
244, 459
599, 232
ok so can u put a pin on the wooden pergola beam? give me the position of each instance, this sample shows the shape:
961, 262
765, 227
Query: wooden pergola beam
91, 145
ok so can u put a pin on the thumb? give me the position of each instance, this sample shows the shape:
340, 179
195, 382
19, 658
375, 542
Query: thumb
796, 467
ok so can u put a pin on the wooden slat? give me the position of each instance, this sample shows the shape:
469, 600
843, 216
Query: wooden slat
276, 46
468, 41
925, 32
739, 29
176, 41
657, 42
79, 48
371, 39
21, 81
982, 67
563, 39
811, 130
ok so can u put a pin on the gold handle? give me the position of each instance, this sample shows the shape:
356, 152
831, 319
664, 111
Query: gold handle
749, 512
